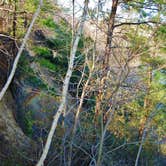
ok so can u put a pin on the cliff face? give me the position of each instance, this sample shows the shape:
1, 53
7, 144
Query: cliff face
10, 130
11, 135
27, 109
37, 96
12, 140
8, 51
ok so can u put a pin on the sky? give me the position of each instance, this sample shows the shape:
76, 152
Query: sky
127, 16
79, 4
92, 4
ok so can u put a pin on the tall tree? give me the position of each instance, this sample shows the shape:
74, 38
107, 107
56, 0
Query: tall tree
65, 86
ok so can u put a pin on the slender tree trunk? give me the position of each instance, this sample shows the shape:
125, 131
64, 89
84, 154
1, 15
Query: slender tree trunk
65, 88
9, 80
144, 134
146, 103
110, 32
105, 67
105, 64
15, 19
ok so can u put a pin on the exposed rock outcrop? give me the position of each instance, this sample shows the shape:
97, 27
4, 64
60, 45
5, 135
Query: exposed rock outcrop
13, 141
37, 99
8, 51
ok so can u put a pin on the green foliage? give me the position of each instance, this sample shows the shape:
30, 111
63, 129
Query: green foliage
161, 32
31, 78
61, 42
48, 7
161, 37
42, 51
46, 63
28, 123
139, 43
34, 81
30, 6
154, 62
49, 22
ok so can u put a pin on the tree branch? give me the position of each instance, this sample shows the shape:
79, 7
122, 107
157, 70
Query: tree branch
136, 23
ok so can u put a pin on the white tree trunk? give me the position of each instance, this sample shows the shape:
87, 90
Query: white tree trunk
65, 88
9, 80
143, 139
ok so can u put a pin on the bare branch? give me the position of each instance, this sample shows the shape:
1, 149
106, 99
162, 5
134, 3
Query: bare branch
136, 23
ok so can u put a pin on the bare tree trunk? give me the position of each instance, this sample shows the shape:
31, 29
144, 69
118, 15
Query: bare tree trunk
104, 74
110, 113
65, 88
110, 31
106, 56
15, 19
9, 80
144, 134
146, 105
